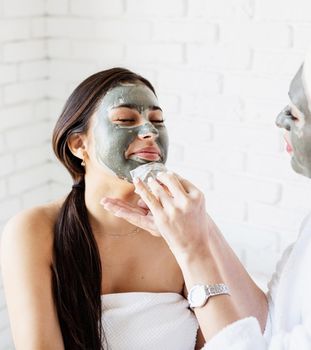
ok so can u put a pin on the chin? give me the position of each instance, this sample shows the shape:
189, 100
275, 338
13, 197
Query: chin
299, 169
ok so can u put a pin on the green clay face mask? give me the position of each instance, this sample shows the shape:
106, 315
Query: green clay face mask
296, 119
127, 112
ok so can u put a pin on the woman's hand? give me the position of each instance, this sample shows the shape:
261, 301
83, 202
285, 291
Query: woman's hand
138, 215
177, 211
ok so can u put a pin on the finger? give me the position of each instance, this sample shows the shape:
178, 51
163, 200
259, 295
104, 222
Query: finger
189, 187
141, 220
148, 197
116, 203
173, 184
142, 204
160, 192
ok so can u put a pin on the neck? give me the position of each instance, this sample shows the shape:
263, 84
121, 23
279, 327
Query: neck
102, 221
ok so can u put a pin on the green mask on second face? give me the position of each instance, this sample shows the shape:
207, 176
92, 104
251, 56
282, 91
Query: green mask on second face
298, 127
112, 140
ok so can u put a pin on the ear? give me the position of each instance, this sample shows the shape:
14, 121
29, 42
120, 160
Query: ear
78, 145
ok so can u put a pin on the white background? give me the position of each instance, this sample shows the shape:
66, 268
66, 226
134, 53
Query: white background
221, 69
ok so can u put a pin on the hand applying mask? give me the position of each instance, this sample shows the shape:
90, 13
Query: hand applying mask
130, 130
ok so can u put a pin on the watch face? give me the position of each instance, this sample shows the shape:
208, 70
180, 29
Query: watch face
197, 296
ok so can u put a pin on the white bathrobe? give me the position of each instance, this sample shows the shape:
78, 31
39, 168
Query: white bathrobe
289, 320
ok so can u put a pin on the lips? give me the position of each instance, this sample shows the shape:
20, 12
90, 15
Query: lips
289, 148
148, 153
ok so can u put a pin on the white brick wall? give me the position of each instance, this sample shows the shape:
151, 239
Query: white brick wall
221, 69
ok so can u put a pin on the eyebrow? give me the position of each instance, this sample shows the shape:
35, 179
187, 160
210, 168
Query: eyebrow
135, 106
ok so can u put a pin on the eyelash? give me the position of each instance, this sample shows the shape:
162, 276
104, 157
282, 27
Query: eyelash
290, 115
133, 120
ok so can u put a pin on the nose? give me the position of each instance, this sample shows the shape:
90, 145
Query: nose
283, 121
148, 130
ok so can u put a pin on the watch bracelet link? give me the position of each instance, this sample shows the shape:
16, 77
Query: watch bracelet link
209, 290
217, 289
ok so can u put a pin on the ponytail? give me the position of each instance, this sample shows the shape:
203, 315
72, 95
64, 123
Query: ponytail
77, 275
76, 270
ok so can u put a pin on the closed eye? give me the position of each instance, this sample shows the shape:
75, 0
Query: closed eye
288, 112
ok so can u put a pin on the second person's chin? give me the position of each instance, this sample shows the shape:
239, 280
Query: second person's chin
300, 169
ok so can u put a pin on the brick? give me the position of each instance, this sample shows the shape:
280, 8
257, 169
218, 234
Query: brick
16, 8
277, 62
60, 176
301, 36
231, 58
190, 81
29, 157
296, 195
96, 8
169, 103
9, 207
258, 35
185, 31
14, 29
75, 71
264, 110
256, 86
224, 207
8, 73
33, 70
162, 8
28, 179
214, 158
247, 187
38, 196
97, 51
273, 166
7, 164
27, 136
41, 110
58, 190
59, 48
69, 27
15, 116
176, 153
185, 128
279, 10
57, 89
24, 51
278, 218
155, 53
245, 137
213, 107
32, 90
221, 9
3, 189
57, 7
121, 30
38, 27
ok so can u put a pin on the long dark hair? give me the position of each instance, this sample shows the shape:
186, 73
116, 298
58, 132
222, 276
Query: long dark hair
76, 269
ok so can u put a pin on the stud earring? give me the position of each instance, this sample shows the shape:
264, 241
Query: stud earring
83, 162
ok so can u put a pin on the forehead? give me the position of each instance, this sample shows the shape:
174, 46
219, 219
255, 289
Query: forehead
297, 93
136, 94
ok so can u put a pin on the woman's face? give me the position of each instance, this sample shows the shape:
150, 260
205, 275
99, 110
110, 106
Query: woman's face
129, 129
296, 119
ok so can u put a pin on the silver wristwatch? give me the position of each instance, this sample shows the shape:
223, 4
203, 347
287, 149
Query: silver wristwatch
199, 293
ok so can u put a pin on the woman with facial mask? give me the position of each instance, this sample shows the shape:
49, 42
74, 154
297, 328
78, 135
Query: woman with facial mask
77, 277
232, 311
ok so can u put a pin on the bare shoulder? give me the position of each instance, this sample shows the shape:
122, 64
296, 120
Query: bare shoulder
31, 229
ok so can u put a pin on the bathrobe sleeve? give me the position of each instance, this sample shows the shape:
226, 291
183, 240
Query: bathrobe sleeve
246, 334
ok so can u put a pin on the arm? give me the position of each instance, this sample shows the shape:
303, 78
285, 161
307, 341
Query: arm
26, 250
201, 251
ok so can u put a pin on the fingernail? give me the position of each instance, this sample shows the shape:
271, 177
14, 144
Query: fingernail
136, 180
